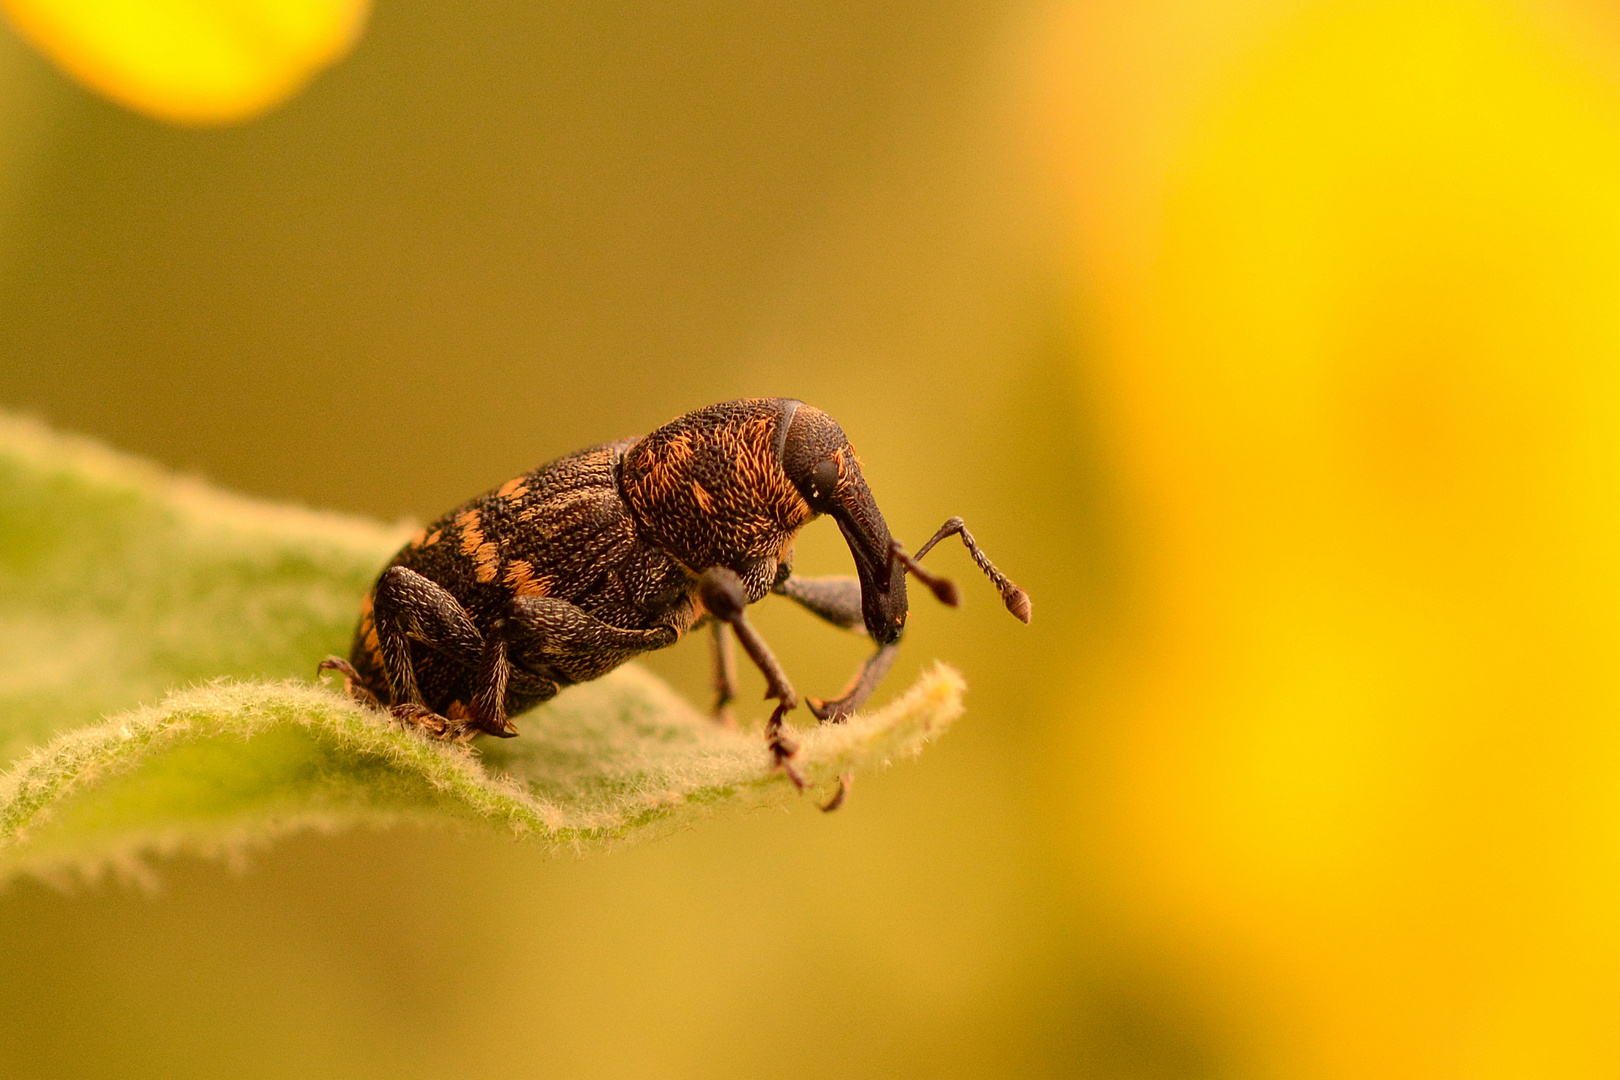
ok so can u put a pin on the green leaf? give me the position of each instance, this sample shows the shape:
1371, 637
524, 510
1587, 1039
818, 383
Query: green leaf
119, 582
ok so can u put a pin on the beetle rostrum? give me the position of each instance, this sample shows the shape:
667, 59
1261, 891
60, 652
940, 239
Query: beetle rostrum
562, 574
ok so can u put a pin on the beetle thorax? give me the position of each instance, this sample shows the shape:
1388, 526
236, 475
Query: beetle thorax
709, 487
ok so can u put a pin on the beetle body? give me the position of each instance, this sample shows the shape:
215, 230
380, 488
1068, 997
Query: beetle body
566, 572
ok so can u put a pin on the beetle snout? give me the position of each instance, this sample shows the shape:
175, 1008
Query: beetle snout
883, 580
891, 620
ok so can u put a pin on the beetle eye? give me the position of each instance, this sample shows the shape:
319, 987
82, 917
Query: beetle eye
824, 480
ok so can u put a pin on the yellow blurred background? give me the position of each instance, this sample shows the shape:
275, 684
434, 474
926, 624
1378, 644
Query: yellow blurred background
1273, 345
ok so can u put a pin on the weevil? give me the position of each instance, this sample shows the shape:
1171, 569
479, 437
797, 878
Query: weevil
564, 573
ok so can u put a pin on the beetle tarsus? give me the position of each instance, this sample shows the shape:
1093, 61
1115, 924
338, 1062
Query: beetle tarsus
410, 715
353, 684
844, 781
782, 748
339, 665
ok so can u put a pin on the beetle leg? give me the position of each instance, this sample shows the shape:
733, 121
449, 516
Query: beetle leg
723, 596
835, 599
838, 600
721, 591
725, 674
353, 685
860, 688
551, 634
420, 716
567, 628
488, 706
839, 796
409, 606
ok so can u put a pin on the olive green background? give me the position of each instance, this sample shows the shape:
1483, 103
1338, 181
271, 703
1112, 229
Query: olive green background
497, 233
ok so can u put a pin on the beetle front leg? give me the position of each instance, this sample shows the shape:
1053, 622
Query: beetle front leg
838, 600
859, 689
722, 593
835, 599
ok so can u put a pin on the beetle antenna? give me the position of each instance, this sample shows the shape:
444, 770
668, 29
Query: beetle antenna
943, 589
1016, 599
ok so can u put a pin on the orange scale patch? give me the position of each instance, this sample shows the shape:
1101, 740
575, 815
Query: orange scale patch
486, 561
519, 577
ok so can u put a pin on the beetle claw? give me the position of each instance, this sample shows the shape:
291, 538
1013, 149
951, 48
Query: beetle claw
835, 711
353, 685
844, 780
412, 715
792, 774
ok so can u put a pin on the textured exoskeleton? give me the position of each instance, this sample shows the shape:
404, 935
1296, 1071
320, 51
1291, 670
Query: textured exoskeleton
566, 572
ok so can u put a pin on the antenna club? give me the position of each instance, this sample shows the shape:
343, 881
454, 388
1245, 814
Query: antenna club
1018, 602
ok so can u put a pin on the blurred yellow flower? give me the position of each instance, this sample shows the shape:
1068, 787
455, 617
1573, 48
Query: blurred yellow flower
192, 61
1355, 268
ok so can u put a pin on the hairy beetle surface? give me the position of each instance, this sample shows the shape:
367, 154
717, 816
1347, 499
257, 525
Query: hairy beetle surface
566, 572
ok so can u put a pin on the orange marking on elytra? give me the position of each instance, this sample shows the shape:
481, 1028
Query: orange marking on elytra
486, 555
486, 562
513, 489
472, 534
519, 577
433, 538
702, 497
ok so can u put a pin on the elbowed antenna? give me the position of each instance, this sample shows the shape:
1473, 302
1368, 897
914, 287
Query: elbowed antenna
944, 589
1016, 599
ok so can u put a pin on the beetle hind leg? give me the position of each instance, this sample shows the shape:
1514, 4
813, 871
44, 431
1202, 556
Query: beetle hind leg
410, 607
353, 684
